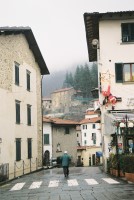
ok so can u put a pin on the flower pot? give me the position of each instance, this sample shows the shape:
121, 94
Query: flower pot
129, 177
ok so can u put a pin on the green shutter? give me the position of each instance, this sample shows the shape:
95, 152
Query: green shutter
119, 72
17, 112
29, 148
16, 75
18, 149
46, 138
29, 114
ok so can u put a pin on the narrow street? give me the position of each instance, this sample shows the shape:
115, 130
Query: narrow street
84, 183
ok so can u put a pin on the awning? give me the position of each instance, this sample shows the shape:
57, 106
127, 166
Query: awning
98, 153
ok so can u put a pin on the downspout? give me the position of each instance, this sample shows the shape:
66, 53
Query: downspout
42, 118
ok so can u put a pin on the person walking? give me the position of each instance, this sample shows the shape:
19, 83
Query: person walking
65, 159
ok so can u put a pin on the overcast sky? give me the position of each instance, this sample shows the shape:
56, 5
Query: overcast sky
58, 25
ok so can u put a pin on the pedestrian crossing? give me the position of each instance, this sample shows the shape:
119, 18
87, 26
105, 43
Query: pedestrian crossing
57, 183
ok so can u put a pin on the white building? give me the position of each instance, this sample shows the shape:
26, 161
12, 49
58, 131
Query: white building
21, 67
47, 140
89, 151
110, 41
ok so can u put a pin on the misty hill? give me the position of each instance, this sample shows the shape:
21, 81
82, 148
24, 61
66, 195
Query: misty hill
52, 82
82, 77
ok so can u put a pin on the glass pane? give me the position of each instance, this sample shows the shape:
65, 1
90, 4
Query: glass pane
126, 71
132, 31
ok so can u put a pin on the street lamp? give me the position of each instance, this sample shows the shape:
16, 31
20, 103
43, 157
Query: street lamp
126, 124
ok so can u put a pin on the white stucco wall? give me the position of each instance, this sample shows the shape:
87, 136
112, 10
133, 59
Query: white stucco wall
47, 129
112, 51
89, 132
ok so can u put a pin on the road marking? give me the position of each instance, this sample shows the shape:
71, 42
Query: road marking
54, 183
110, 180
72, 182
91, 181
35, 185
17, 186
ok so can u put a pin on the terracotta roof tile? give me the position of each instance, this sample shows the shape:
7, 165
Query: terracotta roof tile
90, 120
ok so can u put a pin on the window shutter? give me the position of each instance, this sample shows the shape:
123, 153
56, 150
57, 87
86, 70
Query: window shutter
16, 75
29, 148
18, 149
17, 112
28, 80
119, 72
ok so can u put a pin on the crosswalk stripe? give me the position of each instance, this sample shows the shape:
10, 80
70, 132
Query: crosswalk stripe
17, 186
54, 183
35, 185
72, 182
110, 180
91, 181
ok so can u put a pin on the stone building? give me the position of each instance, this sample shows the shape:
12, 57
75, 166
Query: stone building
21, 67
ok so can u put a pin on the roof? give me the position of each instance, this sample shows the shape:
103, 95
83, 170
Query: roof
90, 112
63, 90
90, 120
58, 121
92, 27
32, 44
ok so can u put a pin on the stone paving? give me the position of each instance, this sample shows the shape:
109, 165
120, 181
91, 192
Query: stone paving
83, 183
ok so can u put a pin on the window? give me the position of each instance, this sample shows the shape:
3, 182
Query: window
94, 138
124, 72
17, 104
28, 80
66, 130
18, 149
85, 134
46, 138
29, 147
84, 126
28, 114
93, 126
16, 74
85, 142
127, 32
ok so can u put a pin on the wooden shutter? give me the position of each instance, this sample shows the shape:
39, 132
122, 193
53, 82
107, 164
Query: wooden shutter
18, 149
16, 75
29, 114
28, 80
17, 112
119, 72
29, 148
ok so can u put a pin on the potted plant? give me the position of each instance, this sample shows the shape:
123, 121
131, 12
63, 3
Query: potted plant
129, 167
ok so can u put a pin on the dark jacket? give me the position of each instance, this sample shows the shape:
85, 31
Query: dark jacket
65, 159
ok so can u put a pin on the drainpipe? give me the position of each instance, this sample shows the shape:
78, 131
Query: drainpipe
42, 118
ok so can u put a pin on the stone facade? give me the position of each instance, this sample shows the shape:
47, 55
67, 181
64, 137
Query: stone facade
14, 48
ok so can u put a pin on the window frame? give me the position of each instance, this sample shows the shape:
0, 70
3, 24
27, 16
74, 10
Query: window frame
120, 73
128, 36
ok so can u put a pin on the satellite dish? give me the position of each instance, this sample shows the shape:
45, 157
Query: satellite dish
95, 43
